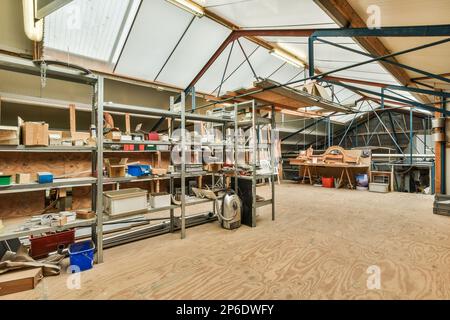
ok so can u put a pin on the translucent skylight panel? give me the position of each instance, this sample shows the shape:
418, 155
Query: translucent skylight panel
199, 43
158, 27
89, 28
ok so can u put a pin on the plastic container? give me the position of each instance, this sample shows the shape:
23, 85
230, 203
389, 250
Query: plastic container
153, 136
42, 246
82, 255
160, 200
125, 201
45, 177
139, 170
5, 180
328, 182
378, 187
362, 180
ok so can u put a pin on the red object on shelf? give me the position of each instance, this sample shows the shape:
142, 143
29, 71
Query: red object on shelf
141, 147
42, 246
153, 136
328, 182
128, 147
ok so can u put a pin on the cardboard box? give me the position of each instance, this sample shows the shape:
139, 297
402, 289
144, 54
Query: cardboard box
85, 214
9, 136
159, 171
113, 135
55, 137
115, 168
76, 138
35, 134
17, 281
23, 178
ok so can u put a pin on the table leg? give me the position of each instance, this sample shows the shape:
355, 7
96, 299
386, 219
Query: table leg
348, 177
304, 173
341, 178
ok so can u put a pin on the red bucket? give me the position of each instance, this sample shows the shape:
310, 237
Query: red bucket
328, 182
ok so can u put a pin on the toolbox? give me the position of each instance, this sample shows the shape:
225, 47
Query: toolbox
42, 246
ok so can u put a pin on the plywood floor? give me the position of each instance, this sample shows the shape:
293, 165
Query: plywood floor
319, 247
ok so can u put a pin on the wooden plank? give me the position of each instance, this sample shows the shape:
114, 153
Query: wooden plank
73, 120
127, 123
298, 97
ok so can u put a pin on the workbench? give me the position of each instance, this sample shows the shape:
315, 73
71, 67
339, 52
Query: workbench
344, 168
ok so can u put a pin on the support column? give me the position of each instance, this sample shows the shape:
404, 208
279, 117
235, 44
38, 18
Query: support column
439, 166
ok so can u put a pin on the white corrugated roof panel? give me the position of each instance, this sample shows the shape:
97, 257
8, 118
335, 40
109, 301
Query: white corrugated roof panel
90, 28
156, 31
200, 42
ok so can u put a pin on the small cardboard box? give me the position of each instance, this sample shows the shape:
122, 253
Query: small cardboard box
23, 178
55, 137
17, 281
113, 135
9, 135
116, 167
159, 171
76, 138
35, 134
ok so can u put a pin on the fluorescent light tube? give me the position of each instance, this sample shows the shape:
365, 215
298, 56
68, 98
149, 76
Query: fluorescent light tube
288, 57
189, 6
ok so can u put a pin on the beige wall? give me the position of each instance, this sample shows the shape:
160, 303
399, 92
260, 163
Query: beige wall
12, 35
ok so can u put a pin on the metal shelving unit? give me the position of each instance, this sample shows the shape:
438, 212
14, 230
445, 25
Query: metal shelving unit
255, 123
98, 107
15, 229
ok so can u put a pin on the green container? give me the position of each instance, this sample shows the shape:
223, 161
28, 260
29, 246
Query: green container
5, 180
151, 147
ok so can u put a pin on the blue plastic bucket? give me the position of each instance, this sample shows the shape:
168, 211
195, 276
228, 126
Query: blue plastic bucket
362, 180
81, 255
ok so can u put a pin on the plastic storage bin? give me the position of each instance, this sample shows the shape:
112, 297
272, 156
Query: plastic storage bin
5, 180
82, 255
45, 177
160, 200
125, 201
139, 170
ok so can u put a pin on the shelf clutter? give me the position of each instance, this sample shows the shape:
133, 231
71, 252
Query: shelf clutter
105, 185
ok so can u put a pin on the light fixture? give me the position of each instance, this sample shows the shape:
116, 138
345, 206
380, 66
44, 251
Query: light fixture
189, 6
288, 57
33, 29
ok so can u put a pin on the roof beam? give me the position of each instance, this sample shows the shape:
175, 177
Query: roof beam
345, 16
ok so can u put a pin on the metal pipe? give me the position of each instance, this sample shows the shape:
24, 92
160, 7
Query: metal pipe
99, 155
410, 135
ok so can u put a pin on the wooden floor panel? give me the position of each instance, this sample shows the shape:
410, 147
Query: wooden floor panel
319, 247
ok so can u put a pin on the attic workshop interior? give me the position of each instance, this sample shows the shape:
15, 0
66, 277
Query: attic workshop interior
224, 150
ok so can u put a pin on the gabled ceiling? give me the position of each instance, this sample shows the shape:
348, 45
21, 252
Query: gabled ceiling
159, 42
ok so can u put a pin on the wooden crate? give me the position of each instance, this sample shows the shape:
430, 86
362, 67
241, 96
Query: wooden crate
17, 281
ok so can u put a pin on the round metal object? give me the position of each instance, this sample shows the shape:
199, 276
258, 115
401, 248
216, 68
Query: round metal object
437, 123
438, 136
